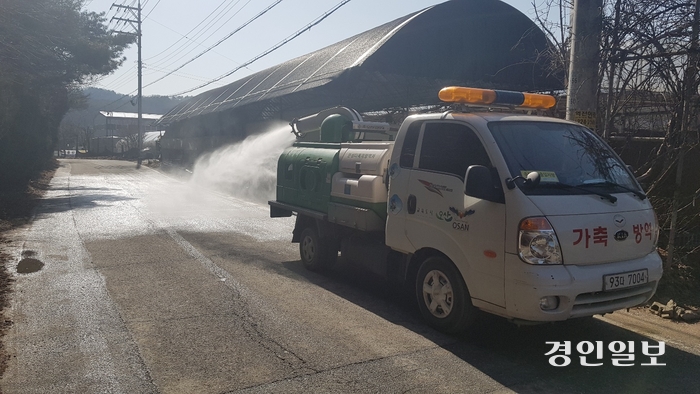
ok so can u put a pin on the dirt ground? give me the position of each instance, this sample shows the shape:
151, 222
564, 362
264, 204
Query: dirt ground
681, 283
16, 206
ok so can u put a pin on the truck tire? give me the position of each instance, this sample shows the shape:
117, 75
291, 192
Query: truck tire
316, 253
443, 297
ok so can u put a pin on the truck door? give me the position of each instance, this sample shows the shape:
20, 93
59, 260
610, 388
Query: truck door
402, 162
470, 231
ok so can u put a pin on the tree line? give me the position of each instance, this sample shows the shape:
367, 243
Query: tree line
49, 49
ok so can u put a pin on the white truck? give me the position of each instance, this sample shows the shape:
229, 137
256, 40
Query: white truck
528, 217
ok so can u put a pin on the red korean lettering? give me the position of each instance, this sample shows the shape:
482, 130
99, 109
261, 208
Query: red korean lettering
637, 228
647, 229
581, 236
600, 235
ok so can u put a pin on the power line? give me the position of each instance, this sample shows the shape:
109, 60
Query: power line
247, 63
176, 32
199, 34
122, 75
267, 52
125, 83
119, 81
120, 22
185, 35
149, 12
239, 28
183, 75
119, 85
119, 99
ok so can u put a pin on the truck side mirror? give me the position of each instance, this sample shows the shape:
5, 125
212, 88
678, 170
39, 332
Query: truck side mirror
479, 183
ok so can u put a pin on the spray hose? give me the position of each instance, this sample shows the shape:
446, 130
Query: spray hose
295, 130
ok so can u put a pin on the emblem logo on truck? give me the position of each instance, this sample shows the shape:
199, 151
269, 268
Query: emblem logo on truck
430, 187
621, 235
444, 215
619, 220
461, 214
437, 189
395, 204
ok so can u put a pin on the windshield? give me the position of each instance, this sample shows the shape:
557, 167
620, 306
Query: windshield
562, 154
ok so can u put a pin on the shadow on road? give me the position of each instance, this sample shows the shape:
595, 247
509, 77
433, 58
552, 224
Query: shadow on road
86, 201
515, 356
82, 188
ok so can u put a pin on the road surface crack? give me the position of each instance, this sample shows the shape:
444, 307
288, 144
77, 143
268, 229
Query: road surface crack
339, 367
243, 308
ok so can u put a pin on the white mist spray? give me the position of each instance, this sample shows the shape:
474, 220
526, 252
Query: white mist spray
247, 169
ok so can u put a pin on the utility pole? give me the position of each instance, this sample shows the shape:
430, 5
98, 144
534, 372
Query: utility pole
136, 25
582, 99
689, 91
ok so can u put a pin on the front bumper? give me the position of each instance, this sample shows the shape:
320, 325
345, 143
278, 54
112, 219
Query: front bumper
579, 288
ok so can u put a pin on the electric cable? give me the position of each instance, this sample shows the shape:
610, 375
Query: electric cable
272, 49
185, 35
218, 53
183, 50
123, 74
254, 59
184, 75
122, 12
239, 28
149, 12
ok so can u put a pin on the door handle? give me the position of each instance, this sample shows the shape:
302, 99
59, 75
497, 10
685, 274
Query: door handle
411, 208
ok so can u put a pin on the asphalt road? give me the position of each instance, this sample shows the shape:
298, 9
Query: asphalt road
152, 285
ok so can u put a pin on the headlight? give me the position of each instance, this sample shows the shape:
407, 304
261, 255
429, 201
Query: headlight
538, 243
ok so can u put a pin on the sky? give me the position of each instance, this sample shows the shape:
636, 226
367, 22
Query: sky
176, 31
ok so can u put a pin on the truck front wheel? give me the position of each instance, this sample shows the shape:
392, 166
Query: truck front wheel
316, 253
443, 297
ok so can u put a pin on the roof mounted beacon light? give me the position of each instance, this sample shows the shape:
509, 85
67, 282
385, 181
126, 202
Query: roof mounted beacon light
463, 95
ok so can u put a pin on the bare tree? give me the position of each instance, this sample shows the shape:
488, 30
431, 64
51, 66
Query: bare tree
648, 91
553, 17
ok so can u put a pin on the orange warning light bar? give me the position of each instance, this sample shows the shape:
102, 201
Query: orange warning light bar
458, 94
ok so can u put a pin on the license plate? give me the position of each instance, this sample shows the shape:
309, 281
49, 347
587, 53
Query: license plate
627, 279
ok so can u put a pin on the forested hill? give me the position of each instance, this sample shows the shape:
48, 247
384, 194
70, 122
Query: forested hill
106, 100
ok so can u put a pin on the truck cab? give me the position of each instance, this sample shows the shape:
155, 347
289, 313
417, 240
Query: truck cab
579, 241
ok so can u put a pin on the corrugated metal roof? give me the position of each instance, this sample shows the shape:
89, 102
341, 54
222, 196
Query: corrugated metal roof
484, 43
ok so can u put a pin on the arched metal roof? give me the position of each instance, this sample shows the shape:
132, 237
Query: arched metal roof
481, 43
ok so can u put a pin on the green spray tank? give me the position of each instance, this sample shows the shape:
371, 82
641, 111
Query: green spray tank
305, 171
